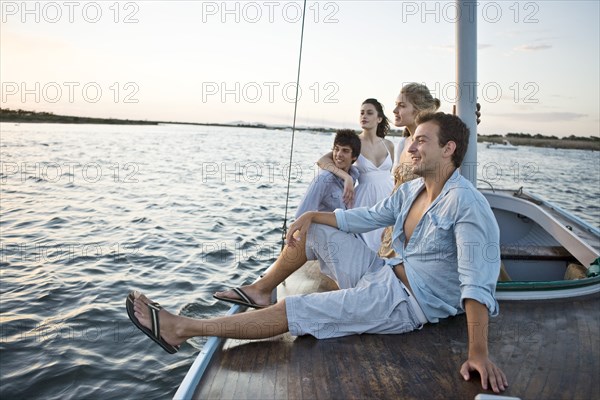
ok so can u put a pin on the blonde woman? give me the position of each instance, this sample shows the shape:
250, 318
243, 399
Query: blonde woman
413, 99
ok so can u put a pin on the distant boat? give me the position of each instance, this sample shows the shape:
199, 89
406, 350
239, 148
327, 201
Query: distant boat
506, 145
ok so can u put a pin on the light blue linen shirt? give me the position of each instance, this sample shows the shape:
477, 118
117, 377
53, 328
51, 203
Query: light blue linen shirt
454, 251
325, 193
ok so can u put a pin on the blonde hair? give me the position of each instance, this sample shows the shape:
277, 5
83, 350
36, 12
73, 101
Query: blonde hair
420, 97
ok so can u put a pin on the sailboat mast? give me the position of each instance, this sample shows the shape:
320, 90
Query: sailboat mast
466, 79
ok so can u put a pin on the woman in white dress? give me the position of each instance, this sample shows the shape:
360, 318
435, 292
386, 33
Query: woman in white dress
374, 164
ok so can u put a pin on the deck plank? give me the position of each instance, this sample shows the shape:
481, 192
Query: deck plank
548, 349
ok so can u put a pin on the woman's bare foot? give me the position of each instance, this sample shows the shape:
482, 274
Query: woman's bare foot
168, 322
257, 297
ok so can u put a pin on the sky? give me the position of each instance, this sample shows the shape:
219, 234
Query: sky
232, 61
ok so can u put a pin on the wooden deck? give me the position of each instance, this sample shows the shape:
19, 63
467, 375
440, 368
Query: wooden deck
548, 350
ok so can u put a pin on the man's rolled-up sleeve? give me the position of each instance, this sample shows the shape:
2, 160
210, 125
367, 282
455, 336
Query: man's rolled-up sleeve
477, 237
365, 219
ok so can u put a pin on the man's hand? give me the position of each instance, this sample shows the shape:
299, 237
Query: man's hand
488, 372
301, 226
477, 324
477, 112
349, 192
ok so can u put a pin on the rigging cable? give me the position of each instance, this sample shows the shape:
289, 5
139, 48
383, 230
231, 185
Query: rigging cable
287, 196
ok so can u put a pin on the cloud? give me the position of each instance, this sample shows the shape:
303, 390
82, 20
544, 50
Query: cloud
543, 117
534, 47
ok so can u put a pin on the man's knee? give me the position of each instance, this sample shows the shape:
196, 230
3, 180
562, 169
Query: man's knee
325, 241
297, 253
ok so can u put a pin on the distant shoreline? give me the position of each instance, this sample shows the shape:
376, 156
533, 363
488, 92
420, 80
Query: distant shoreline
22, 116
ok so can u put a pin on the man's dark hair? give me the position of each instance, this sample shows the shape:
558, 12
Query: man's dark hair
451, 129
348, 137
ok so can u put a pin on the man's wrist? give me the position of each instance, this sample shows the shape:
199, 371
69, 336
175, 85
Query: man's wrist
478, 350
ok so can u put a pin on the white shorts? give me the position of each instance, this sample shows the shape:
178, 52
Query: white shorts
370, 300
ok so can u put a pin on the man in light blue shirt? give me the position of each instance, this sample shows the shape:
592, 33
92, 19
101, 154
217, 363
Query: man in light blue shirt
447, 241
325, 192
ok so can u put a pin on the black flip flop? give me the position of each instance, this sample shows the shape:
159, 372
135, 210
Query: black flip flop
244, 299
153, 334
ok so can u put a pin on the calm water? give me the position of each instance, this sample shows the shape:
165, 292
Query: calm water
91, 212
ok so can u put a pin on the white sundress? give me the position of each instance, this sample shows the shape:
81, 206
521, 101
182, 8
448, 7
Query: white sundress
375, 184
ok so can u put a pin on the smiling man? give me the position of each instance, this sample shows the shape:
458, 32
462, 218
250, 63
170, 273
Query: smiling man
325, 193
447, 241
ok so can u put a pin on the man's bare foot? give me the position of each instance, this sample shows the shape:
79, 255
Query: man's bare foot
168, 322
258, 298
